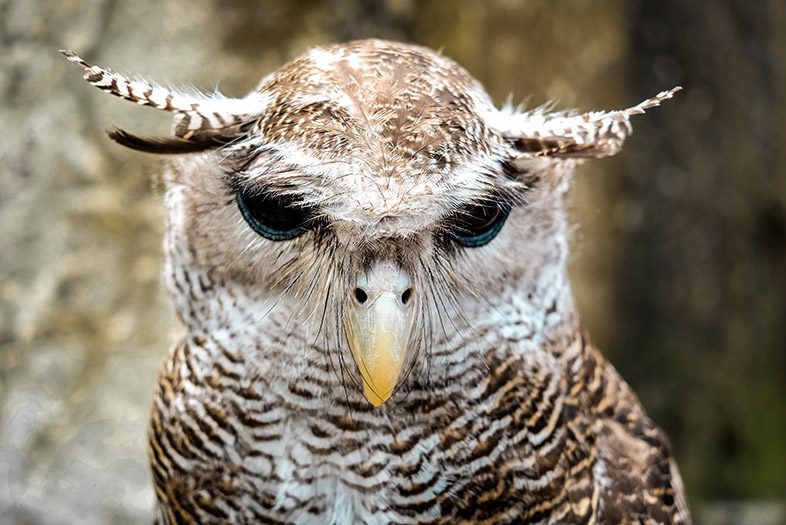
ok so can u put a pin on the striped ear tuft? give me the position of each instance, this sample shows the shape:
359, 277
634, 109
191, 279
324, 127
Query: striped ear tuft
566, 135
203, 122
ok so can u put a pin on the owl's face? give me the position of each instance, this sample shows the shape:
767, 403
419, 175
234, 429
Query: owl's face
373, 190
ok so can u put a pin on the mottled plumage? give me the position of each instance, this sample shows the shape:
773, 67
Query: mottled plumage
369, 259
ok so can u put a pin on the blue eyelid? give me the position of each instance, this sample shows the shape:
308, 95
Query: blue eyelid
263, 229
482, 239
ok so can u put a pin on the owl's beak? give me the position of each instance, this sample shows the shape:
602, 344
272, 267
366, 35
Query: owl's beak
378, 325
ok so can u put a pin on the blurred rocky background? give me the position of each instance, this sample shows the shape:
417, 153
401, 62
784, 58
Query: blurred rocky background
679, 250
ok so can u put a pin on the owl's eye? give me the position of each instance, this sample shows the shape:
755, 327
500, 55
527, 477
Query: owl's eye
275, 218
477, 225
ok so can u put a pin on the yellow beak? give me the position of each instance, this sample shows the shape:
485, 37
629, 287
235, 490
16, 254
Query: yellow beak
378, 325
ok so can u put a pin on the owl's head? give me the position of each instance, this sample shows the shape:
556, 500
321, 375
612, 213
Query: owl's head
372, 188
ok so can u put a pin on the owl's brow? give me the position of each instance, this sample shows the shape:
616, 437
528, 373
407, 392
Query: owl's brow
506, 190
255, 189
256, 159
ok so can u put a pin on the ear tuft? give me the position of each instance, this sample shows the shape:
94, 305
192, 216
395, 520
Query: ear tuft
575, 136
203, 122
165, 145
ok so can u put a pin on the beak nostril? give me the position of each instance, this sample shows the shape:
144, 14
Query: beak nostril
361, 295
406, 296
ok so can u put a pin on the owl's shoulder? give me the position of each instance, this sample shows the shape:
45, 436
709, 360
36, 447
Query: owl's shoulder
634, 471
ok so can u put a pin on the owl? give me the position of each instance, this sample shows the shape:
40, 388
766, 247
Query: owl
369, 259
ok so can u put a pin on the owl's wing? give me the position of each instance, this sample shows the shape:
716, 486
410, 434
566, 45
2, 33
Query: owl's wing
639, 478
202, 121
573, 136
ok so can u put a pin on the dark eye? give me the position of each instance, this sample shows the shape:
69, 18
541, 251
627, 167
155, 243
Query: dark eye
476, 225
272, 217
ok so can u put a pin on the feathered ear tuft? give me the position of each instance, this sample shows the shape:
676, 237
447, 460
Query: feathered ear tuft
168, 145
203, 122
571, 136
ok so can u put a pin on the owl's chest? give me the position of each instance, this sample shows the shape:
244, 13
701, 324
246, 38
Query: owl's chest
272, 447
317, 474
249, 452
307, 469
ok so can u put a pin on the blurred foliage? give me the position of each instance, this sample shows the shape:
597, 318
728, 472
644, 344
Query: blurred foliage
679, 254
702, 292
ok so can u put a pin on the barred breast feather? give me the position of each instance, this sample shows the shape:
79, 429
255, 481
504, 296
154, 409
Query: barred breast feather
509, 437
